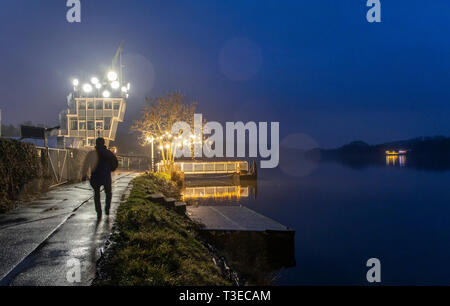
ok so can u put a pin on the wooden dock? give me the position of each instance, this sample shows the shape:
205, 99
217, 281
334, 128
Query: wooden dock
246, 237
233, 218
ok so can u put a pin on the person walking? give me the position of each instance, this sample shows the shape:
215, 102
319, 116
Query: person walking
102, 162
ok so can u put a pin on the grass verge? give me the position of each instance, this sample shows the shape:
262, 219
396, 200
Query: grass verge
156, 246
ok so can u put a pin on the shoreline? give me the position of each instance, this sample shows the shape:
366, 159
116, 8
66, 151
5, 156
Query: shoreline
150, 245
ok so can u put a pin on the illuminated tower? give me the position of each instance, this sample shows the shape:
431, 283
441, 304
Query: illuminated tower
95, 108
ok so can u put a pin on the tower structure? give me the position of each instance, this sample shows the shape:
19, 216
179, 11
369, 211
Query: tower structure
95, 107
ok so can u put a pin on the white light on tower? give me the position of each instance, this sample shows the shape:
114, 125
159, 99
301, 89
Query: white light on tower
115, 85
128, 86
112, 76
124, 89
94, 80
75, 82
106, 94
98, 85
87, 88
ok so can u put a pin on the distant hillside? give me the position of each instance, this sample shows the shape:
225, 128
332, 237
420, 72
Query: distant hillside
423, 152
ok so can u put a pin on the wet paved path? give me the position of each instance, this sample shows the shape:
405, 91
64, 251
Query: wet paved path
42, 241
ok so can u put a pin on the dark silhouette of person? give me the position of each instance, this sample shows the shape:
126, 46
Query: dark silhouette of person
102, 162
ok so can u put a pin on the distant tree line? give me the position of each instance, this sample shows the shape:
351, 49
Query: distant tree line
423, 152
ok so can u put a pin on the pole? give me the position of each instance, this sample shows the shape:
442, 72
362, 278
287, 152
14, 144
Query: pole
153, 159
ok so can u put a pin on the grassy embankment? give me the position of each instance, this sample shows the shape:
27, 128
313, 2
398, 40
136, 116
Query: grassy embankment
154, 245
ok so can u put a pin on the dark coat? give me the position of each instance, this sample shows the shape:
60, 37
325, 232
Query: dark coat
102, 162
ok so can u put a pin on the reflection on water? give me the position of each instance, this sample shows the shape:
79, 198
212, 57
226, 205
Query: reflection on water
215, 192
395, 210
218, 191
345, 211
396, 160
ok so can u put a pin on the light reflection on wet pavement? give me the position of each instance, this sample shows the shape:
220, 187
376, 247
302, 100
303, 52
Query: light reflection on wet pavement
39, 238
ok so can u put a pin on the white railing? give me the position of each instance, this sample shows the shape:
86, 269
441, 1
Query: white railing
209, 167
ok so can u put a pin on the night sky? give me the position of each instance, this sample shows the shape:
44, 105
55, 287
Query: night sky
317, 66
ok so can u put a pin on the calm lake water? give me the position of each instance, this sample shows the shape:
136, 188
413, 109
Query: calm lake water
343, 216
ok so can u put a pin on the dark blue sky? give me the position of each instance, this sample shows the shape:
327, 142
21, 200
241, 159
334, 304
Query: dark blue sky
316, 66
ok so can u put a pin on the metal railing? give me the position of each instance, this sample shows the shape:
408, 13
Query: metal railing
140, 163
57, 163
209, 167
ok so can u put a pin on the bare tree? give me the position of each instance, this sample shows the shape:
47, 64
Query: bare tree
158, 117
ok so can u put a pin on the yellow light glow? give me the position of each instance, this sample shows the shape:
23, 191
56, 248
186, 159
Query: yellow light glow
393, 152
216, 192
